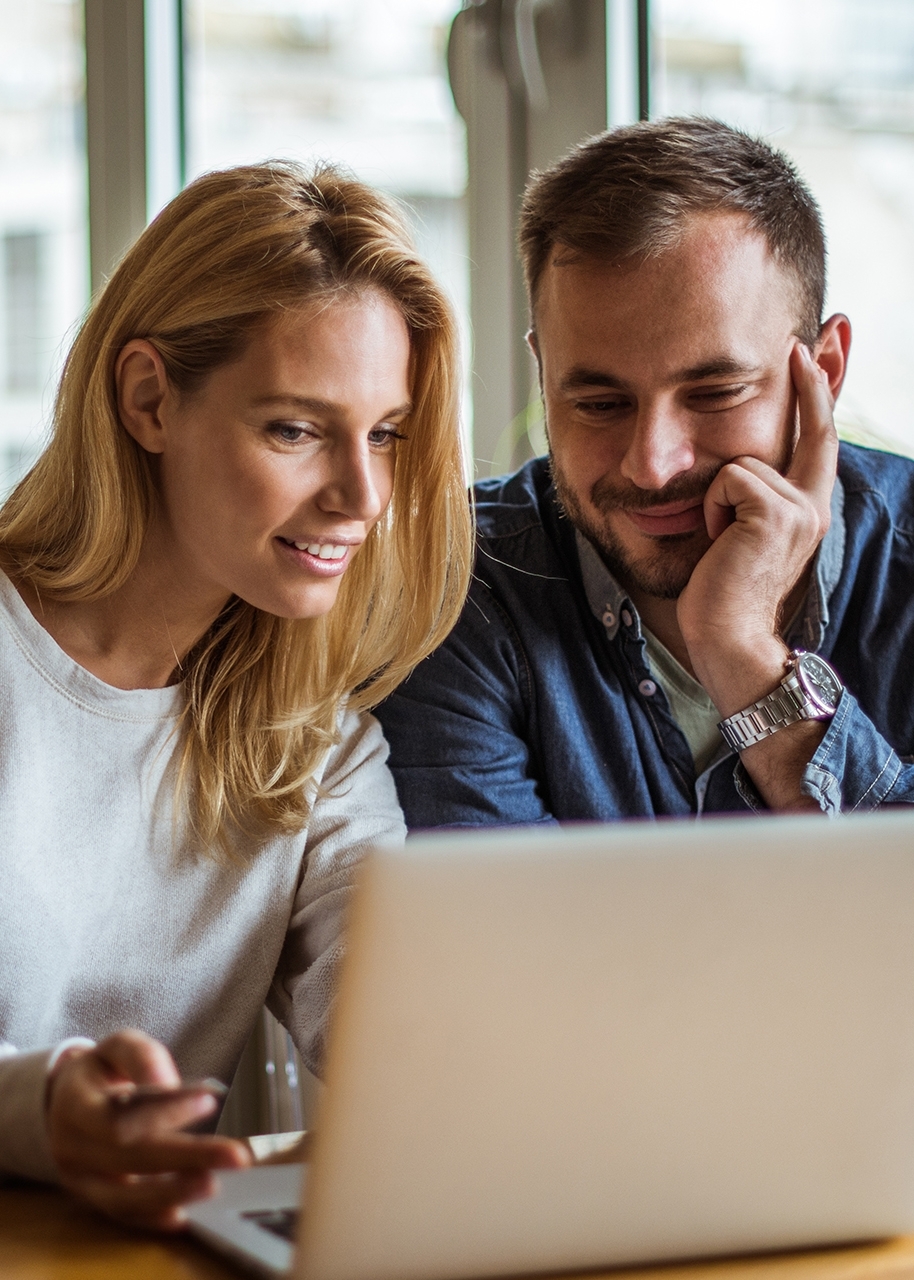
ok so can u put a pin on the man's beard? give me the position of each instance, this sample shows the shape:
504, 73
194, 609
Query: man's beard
663, 573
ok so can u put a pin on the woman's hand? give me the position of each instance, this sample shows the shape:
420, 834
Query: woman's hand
133, 1163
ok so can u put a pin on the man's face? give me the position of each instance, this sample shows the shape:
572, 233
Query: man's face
656, 375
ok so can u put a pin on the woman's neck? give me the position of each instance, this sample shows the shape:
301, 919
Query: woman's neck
135, 638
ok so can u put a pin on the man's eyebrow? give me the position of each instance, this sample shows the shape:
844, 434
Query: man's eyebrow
313, 404
582, 377
722, 367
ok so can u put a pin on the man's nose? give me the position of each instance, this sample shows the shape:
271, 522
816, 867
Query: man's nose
659, 449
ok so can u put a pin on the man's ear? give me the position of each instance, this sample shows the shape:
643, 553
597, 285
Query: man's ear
831, 350
533, 344
142, 387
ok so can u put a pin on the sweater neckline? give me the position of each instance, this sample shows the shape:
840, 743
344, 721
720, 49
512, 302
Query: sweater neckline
72, 680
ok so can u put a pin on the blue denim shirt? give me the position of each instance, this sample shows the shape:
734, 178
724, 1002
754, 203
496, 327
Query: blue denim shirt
540, 706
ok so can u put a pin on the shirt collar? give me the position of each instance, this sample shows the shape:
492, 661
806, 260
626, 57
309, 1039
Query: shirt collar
604, 595
608, 602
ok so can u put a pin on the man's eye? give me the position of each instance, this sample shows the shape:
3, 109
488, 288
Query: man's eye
601, 406
717, 395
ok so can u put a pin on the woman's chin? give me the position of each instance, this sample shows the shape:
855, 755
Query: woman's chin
312, 601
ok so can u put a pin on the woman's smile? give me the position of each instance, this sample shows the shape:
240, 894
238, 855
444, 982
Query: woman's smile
324, 558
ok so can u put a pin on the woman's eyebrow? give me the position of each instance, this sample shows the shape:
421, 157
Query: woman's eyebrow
313, 404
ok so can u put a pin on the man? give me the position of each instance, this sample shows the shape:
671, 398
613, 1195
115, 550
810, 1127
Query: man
632, 645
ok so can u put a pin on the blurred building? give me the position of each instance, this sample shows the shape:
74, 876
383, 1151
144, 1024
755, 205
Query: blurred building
43, 222
832, 83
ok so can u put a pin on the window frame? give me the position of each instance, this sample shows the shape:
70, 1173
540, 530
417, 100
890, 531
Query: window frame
136, 148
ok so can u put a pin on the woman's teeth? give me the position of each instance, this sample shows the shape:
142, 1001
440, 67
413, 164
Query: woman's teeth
323, 550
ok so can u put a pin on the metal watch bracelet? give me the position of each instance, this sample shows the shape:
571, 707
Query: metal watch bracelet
787, 704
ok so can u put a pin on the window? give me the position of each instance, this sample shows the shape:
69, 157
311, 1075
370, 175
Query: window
831, 82
24, 290
43, 268
363, 82
359, 82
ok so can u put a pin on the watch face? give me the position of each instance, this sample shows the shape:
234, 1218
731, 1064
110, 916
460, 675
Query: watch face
819, 681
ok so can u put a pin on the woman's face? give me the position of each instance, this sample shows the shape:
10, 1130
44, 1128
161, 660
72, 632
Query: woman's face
273, 473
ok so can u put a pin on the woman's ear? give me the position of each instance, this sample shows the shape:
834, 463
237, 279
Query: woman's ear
142, 389
831, 351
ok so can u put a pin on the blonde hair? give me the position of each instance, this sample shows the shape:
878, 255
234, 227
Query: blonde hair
263, 692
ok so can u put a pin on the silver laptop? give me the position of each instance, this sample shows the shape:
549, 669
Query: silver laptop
569, 1049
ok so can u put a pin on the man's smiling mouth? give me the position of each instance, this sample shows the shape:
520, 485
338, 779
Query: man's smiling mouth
676, 518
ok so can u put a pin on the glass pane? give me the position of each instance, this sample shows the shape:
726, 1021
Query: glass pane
43, 215
360, 82
831, 82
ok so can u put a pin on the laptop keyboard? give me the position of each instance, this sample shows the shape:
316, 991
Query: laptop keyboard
282, 1222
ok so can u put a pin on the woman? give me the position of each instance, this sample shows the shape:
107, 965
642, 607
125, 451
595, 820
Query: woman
249, 525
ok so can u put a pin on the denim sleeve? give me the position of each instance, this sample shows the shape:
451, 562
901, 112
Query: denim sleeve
457, 730
854, 767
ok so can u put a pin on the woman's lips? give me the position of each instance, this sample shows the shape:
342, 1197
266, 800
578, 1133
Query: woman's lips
677, 518
322, 566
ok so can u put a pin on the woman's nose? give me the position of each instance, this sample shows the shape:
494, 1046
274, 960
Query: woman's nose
356, 485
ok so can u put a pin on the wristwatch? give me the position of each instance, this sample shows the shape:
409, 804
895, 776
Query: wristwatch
811, 690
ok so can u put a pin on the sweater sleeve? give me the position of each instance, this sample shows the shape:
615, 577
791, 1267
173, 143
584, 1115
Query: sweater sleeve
356, 810
24, 1147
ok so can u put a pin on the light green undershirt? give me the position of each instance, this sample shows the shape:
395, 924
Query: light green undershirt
692, 709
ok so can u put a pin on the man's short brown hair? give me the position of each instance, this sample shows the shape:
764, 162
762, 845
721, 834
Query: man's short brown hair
628, 193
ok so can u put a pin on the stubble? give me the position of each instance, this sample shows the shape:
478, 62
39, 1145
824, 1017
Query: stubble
663, 572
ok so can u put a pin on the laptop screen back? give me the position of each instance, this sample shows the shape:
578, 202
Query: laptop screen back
558, 1050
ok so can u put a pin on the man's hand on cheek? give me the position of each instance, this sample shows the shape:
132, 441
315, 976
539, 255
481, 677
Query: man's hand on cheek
765, 529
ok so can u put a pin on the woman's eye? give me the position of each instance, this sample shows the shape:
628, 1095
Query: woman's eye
289, 432
386, 435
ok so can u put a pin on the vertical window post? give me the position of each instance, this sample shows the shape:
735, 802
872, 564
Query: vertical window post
529, 77
134, 120
644, 59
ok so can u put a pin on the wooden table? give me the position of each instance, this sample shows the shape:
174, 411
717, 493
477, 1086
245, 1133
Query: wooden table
45, 1236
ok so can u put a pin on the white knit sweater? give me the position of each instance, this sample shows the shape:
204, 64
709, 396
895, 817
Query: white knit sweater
110, 919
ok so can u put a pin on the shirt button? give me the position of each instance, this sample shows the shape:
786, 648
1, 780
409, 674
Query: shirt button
626, 618
647, 688
609, 618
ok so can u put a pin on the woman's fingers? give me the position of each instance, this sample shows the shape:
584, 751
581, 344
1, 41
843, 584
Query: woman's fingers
154, 1202
135, 1121
108, 1155
124, 1151
135, 1057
